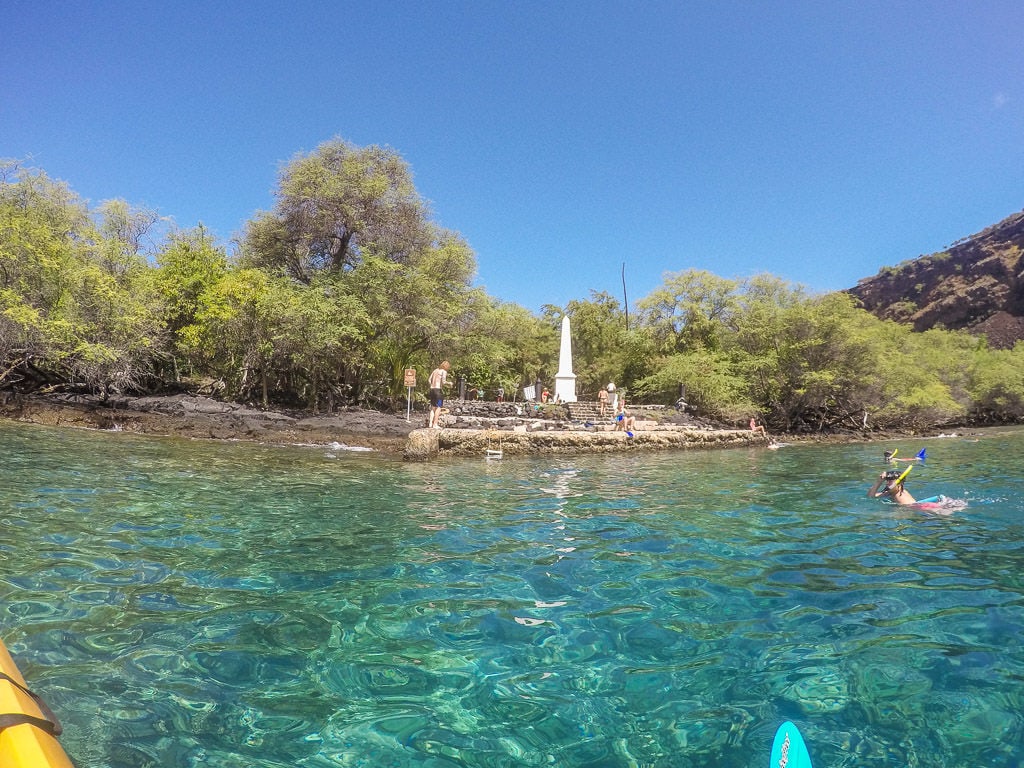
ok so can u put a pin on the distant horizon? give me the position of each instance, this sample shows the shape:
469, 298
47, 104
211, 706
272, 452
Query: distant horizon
816, 143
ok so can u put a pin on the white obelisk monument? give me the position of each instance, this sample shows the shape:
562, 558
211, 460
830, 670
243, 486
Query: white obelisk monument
565, 379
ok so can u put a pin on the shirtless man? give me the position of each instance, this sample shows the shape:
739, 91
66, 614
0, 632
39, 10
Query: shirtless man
437, 381
892, 489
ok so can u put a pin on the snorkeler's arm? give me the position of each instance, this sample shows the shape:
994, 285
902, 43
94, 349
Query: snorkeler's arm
874, 488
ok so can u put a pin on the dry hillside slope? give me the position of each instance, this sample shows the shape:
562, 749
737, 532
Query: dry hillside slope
976, 284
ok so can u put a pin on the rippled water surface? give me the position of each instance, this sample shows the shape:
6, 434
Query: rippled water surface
198, 604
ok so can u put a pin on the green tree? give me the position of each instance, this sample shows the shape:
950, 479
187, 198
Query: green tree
232, 333
115, 337
501, 345
122, 229
188, 265
806, 359
71, 316
37, 216
713, 384
692, 310
997, 383
314, 331
416, 307
334, 206
351, 217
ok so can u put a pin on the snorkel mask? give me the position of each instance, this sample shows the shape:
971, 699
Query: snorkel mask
893, 477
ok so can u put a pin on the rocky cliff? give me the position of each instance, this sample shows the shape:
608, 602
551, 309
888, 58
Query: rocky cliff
976, 284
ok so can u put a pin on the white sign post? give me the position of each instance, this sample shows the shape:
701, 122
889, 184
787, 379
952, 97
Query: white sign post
410, 384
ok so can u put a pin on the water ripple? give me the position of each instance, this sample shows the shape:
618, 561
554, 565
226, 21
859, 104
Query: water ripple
191, 604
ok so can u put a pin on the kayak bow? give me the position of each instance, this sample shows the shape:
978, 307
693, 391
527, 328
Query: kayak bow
28, 729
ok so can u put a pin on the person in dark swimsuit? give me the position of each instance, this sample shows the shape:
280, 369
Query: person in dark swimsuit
437, 381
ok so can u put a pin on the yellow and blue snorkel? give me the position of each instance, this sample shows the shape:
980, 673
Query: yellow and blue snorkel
900, 478
890, 486
890, 456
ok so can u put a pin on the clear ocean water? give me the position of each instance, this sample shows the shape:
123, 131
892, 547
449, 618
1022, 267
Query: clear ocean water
200, 604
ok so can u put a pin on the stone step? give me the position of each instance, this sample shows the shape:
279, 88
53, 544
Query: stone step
584, 410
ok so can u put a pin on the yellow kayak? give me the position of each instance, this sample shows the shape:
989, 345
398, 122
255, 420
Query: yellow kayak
28, 738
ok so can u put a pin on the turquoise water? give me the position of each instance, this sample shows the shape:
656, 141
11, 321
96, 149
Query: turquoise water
198, 604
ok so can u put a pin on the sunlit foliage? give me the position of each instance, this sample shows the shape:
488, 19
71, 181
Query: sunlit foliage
347, 282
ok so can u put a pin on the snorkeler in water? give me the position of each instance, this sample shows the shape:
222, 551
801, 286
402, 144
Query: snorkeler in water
892, 480
890, 456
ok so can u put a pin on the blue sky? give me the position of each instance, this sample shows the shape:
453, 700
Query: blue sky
815, 140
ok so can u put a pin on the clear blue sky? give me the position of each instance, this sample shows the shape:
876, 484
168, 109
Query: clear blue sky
813, 139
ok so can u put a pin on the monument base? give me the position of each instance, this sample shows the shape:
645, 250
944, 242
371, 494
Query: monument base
565, 389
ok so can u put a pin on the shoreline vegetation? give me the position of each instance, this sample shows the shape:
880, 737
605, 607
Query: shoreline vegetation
390, 435
345, 312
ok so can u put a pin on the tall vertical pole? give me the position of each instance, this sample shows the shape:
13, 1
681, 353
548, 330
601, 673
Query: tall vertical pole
624, 297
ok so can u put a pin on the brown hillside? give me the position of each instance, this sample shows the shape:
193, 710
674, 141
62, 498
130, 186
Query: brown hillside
976, 284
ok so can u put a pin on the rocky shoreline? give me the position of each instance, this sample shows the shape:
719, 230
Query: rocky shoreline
197, 417
470, 428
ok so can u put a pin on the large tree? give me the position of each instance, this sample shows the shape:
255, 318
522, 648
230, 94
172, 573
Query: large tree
690, 311
333, 206
350, 218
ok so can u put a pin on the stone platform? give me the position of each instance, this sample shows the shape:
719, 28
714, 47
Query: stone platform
425, 444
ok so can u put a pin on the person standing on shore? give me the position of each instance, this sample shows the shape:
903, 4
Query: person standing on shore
437, 382
602, 402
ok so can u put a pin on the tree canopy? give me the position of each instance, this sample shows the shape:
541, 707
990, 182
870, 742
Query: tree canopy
335, 206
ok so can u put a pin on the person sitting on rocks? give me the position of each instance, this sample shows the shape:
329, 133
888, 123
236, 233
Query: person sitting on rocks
624, 421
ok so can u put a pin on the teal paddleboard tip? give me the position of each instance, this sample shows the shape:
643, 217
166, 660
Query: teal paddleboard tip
788, 749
